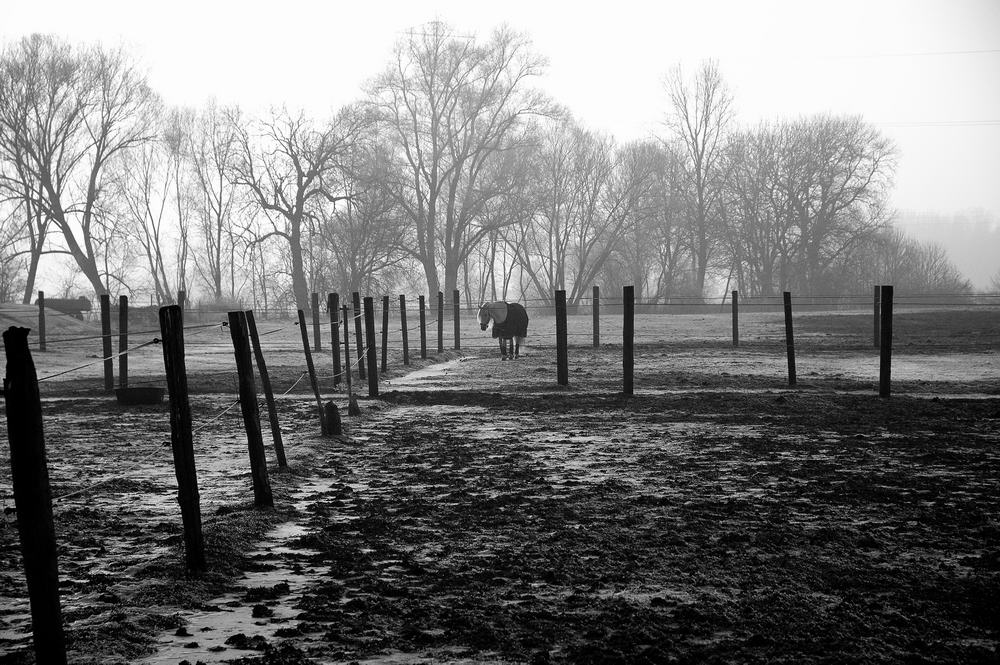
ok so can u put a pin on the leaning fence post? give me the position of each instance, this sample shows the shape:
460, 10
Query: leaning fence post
456, 299
315, 317
33, 497
875, 315
385, 334
885, 346
333, 306
402, 323
736, 318
265, 384
181, 439
262, 497
109, 362
597, 316
358, 334
789, 337
440, 322
423, 328
312, 370
122, 341
41, 320
628, 337
370, 344
562, 360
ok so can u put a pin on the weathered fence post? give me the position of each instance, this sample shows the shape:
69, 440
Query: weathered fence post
403, 330
736, 318
317, 339
347, 349
385, 334
358, 334
789, 337
33, 497
181, 439
423, 328
109, 362
628, 337
265, 383
371, 348
41, 320
312, 370
597, 316
876, 337
251, 415
885, 344
440, 322
122, 341
456, 301
333, 306
562, 360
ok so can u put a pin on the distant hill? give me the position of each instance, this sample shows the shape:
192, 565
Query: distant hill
971, 238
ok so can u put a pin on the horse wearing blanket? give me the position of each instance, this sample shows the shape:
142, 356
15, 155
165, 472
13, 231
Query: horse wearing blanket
510, 323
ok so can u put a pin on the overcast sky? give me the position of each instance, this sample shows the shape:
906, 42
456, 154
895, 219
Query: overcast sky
927, 72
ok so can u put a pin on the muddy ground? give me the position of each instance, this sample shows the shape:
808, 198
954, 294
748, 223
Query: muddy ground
476, 512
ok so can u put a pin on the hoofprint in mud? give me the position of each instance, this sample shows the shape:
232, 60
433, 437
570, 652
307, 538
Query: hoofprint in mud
479, 513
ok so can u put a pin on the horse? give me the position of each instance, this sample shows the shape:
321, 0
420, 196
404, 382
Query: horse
510, 323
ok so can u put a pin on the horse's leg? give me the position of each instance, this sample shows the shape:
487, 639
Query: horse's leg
517, 347
503, 349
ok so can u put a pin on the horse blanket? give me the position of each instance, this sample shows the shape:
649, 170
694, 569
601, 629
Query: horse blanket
513, 324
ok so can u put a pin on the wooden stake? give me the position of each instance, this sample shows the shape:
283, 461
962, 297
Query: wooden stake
370, 343
33, 497
885, 343
736, 318
109, 362
440, 322
122, 341
789, 337
597, 316
265, 383
262, 497
403, 330
628, 338
423, 328
315, 317
311, 369
333, 307
41, 320
358, 334
456, 302
562, 354
385, 334
347, 349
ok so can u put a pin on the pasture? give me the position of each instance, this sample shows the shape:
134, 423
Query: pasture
477, 512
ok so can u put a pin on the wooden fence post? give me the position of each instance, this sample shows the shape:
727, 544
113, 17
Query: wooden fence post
358, 334
562, 360
317, 338
789, 337
876, 337
312, 370
597, 316
423, 328
265, 384
109, 361
440, 322
885, 344
456, 301
385, 334
628, 338
347, 349
41, 320
736, 318
262, 497
402, 324
333, 306
181, 439
122, 341
370, 343
33, 497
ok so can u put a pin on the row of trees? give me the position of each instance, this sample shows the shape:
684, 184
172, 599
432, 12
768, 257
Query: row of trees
453, 171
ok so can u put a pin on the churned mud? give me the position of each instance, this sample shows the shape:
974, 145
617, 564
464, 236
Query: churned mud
477, 512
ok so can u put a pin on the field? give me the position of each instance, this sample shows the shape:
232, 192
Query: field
477, 512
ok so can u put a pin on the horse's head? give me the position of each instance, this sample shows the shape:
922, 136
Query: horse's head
484, 317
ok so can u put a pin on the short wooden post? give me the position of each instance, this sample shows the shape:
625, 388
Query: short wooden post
181, 439
562, 354
628, 338
265, 384
455, 304
347, 348
33, 497
789, 337
885, 343
358, 334
403, 330
109, 361
597, 316
122, 341
876, 337
333, 307
41, 320
370, 343
311, 369
423, 328
317, 338
385, 334
440, 322
736, 318
262, 497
